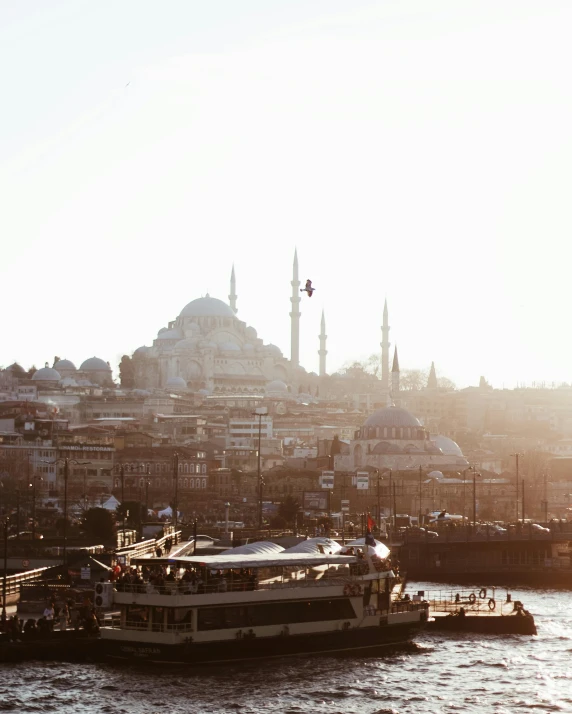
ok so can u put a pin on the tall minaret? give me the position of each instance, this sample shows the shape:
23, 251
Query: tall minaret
323, 351
295, 315
432, 380
385, 351
232, 297
395, 379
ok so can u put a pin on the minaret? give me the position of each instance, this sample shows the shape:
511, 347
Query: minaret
432, 381
385, 351
295, 315
395, 379
232, 297
323, 351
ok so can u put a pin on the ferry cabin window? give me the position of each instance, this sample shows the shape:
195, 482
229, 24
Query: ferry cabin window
279, 613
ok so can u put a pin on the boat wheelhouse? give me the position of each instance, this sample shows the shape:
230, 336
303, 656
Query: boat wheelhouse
268, 603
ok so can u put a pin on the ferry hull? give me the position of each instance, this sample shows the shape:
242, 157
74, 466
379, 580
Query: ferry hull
363, 640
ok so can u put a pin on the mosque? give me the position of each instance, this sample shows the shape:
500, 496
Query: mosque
208, 348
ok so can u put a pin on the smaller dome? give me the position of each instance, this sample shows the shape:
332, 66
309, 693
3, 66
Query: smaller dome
385, 447
229, 347
84, 383
251, 332
273, 349
176, 383
193, 327
68, 382
16, 369
276, 386
163, 329
436, 474
447, 445
174, 334
248, 348
94, 364
47, 374
141, 350
204, 392
65, 364
208, 345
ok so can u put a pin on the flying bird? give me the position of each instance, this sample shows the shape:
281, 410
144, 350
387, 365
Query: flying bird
308, 289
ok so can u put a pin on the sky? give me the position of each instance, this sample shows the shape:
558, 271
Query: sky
411, 150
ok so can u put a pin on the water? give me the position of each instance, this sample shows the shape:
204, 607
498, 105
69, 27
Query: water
459, 673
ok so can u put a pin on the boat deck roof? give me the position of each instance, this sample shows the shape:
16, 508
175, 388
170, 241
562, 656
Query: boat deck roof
256, 560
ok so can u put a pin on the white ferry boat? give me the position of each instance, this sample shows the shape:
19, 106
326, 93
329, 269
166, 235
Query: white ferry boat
260, 601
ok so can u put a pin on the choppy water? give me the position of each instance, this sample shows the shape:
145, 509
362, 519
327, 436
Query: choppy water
464, 673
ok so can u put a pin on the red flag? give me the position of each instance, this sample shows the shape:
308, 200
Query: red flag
370, 523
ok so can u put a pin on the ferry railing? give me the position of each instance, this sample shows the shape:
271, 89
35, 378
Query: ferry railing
186, 588
482, 602
146, 547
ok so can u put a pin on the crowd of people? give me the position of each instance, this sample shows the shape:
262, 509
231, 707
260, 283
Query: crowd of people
60, 617
200, 580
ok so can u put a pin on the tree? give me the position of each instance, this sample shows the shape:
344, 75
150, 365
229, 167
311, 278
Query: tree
446, 383
56, 360
411, 380
99, 524
32, 371
127, 372
288, 509
134, 512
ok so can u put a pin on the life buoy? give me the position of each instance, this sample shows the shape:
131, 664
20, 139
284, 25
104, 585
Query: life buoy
483, 593
472, 598
492, 604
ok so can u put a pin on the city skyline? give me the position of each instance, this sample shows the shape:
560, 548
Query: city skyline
405, 151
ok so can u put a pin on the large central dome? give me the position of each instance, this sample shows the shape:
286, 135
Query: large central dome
391, 416
207, 307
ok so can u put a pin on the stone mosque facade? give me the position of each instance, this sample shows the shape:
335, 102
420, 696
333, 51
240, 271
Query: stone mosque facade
208, 348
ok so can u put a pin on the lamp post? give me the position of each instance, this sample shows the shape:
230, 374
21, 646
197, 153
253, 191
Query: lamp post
262, 411
420, 496
6, 522
469, 468
475, 474
176, 492
516, 456
66, 461
33, 485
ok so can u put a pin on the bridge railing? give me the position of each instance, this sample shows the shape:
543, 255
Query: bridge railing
13, 582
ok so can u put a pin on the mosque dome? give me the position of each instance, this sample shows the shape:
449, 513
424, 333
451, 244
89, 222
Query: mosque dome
47, 374
391, 416
251, 333
436, 475
16, 369
94, 364
208, 345
273, 349
174, 334
447, 446
248, 347
176, 383
141, 350
68, 382
207, 307
385, 447
65, 364
189, 343
229, 347
276, 385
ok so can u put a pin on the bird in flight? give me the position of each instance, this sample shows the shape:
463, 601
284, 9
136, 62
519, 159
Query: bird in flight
308, 289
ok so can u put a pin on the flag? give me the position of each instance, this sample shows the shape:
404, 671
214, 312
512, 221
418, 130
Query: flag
370, 523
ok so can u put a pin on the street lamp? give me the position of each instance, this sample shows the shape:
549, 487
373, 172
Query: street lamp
475, 474
260, 412
176, 489
516, 456
66, 461
6, 522
469, 468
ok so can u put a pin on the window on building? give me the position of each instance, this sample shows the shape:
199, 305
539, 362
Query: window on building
192, 483
204, 483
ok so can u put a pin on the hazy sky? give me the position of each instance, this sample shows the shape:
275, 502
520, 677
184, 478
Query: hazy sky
410, 149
